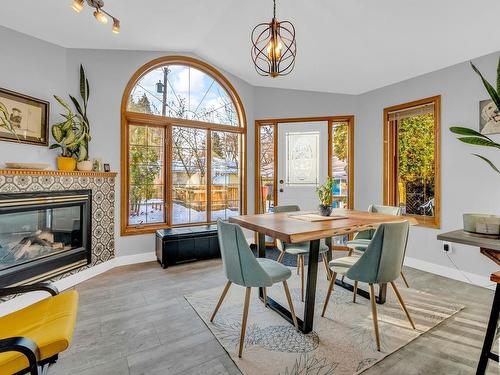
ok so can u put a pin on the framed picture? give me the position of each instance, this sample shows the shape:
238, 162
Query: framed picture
489, 117
28, 116
107, 168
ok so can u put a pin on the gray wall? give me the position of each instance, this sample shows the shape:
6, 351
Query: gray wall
40, 69
467, 184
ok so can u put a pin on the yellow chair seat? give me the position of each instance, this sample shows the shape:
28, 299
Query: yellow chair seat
49, 323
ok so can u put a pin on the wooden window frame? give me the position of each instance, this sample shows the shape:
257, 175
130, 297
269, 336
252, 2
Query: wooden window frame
134, 118
274, 122
390, 184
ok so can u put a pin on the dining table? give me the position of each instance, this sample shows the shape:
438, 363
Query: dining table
301, 226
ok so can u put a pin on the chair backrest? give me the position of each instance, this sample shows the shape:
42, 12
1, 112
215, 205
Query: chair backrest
285, 208
240, 265
387, 210
383, 259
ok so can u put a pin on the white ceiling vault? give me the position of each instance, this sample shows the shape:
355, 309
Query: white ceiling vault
344, 46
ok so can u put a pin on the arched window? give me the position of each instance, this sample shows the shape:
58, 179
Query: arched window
183, 129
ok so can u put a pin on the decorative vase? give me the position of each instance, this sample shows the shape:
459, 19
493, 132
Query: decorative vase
85, 165
325, 210
66, 164
482, 224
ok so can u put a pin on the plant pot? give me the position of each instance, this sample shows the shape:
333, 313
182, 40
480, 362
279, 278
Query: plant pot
85, 165
325, 210
66, 164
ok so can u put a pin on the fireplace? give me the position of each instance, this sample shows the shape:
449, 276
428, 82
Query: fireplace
43, 234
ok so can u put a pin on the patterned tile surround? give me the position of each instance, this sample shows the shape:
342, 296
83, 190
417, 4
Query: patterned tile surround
103, 202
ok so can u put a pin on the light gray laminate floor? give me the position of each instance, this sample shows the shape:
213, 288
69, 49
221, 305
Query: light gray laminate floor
134, 320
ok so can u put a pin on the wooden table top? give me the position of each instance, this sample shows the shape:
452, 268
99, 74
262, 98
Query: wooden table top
283, 227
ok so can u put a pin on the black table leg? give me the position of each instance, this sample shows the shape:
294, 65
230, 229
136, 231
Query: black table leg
305, 325
312, 277
486, 353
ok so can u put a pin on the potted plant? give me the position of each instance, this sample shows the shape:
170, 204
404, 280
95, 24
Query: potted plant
325, 197
73, 134
473, 137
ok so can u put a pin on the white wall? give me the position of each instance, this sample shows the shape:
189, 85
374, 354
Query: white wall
467, 183
41, 69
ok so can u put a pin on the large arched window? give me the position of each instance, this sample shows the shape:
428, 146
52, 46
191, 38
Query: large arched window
183, 129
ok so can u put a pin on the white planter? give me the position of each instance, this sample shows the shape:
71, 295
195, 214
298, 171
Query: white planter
85, 165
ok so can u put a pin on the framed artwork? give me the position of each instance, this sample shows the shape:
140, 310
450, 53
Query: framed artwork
302, 163
107, 168
489, 117
28, 116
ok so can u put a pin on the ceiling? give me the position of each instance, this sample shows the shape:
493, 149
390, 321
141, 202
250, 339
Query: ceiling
348, 46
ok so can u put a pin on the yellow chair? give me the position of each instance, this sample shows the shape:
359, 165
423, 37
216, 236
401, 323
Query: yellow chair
32, 338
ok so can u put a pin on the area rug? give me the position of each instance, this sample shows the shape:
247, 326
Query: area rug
342, 342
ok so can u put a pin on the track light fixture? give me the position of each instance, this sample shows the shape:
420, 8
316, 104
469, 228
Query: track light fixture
100, 14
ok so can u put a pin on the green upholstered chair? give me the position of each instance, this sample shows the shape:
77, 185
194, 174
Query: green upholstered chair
300, 249
242, 268
361, 240
381, 262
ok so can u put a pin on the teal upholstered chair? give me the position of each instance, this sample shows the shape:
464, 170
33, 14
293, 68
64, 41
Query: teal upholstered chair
361, 240
381, 262
299, 249
242, 268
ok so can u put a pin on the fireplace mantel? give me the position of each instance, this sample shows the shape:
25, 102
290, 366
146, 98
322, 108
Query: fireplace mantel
46, 172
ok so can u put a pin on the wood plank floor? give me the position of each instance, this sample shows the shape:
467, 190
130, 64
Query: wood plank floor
134, 320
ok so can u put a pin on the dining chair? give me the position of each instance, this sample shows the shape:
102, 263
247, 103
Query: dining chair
242, 268
300, 249
381, 262
362, 239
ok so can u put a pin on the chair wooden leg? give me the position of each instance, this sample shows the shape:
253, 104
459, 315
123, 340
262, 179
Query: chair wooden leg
404, 279
355, 291
373, 303
350, 252
290, 303
402, 304
327, 268
302, 278
223, 295
264, 292
280, 257
244, 320
329, 292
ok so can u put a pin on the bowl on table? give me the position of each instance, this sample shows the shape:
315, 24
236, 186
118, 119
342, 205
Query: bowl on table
482, 224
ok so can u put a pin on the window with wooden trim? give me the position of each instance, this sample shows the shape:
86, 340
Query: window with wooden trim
411, 159
183, 134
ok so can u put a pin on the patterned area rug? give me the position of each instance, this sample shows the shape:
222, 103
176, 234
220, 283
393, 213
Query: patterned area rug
342, 342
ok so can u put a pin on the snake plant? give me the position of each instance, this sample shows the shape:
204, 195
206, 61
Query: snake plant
73, 134
472, 137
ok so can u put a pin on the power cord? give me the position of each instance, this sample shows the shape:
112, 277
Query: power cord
464, 275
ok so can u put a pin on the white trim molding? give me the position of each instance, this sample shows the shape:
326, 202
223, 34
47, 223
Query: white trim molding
70, 281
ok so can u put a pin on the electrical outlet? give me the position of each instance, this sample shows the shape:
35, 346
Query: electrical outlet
447, 247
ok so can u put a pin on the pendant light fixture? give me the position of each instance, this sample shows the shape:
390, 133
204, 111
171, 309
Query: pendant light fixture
100, 14
274, 47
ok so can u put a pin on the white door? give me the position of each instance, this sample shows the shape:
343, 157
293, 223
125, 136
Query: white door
302, 162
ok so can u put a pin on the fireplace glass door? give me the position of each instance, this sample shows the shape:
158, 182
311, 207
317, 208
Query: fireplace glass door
28, 235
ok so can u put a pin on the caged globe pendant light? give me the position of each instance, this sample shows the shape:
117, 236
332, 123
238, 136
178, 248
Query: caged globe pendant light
274, 47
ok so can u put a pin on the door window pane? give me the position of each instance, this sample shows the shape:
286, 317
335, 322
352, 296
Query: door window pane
226, 175
266, 158
189, 171
146, 179
302, 158
340, 164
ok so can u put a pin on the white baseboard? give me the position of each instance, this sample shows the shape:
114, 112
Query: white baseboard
70, 281
449, 272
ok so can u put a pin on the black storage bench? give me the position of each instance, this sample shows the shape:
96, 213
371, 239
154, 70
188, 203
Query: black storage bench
186, 244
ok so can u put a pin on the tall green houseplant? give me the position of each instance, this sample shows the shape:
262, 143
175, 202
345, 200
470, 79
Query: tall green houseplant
473, 137
73, 134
